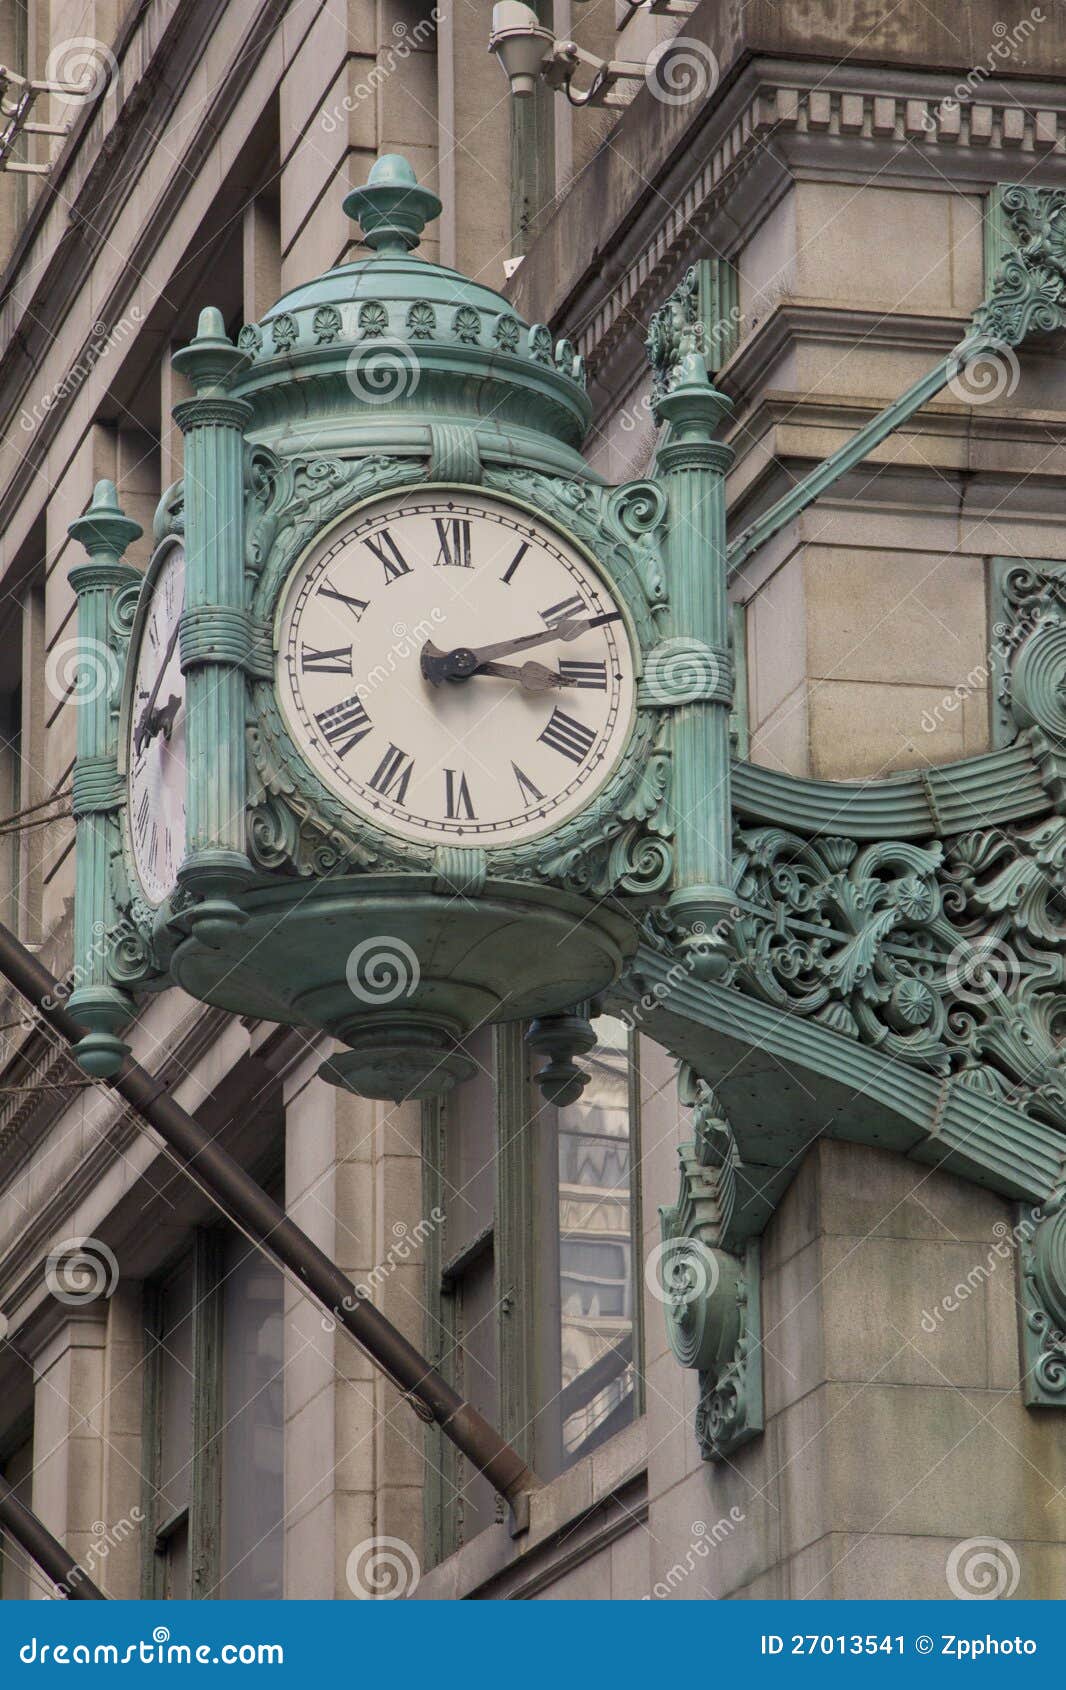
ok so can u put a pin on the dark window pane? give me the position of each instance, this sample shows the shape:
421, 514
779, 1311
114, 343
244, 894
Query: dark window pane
253, 1504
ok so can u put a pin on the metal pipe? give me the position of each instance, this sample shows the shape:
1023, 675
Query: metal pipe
240, 1197
35, 1538
845, 458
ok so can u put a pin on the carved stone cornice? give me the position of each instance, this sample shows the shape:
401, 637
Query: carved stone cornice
794, 122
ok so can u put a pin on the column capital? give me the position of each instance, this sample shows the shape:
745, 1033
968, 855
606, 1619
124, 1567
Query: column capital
105, 531
210, 361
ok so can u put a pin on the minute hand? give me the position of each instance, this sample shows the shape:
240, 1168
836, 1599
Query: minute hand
568, 629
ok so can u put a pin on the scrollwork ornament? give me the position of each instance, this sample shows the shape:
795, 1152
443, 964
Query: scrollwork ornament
677, 317
638, 507
132, 960
1028, 293
121, 613
170, 513
129, 958
273, 834
1042, 1235
950, 957
1038, 680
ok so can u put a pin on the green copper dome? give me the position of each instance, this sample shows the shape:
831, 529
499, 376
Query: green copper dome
411, 338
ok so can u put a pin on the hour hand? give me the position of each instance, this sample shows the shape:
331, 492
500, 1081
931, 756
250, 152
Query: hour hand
161, 721
533, 677
145, 728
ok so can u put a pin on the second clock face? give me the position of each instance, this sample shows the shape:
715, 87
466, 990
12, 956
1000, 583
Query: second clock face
483, 749
155, 753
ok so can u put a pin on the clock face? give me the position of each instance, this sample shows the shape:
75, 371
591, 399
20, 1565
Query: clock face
391, 691
155, 749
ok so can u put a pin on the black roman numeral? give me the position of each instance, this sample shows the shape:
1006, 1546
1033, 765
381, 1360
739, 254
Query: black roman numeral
457, 797
393, 775
389, 555
344, 725
584, 674
563, 734
515, 561
315, 662
530, 793
144, 811
562, 611
328, 591
454, 536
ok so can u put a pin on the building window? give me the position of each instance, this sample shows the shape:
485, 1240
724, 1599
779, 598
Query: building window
533, 1311
214, 1425
463, 1335
253, 1420
597, 1361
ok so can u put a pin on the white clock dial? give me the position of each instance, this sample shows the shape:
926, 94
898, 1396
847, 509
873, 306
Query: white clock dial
493, 756
155, 749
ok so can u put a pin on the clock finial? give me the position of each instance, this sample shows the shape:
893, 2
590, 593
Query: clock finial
392, 208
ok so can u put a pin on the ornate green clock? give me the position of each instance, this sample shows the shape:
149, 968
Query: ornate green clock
394, 741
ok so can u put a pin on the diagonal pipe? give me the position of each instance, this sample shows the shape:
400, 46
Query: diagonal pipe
215, 1172
32, 1535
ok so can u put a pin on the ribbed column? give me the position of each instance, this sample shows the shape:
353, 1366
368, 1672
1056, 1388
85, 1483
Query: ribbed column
691, 466
215, 636
98, 795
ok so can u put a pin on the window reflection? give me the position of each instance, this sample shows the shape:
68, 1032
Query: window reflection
598, 1376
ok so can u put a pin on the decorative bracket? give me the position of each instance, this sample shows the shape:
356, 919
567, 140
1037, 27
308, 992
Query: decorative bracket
711, 1281
1042, 1302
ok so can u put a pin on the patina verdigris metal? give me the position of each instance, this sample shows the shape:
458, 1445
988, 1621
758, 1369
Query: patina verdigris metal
882, 962
383, 375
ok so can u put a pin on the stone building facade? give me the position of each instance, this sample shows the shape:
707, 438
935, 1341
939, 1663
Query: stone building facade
198, 1429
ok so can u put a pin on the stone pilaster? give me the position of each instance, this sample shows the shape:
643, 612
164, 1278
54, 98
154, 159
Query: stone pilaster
354, 1451
69, 1429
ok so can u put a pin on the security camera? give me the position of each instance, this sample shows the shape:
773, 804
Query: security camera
521, 43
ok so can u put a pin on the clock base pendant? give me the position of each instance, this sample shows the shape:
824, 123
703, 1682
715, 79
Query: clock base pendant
387, 965
401, 1058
